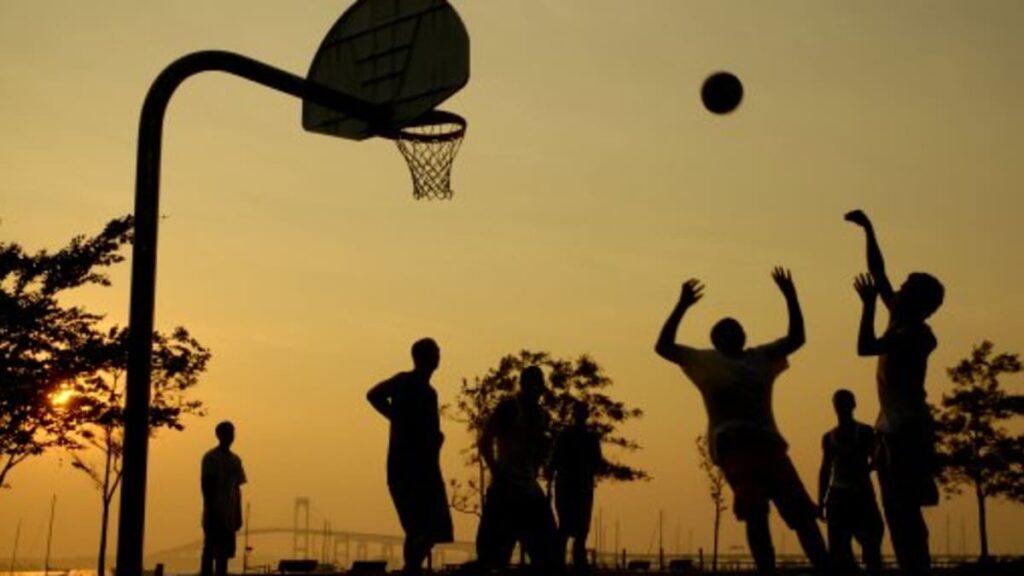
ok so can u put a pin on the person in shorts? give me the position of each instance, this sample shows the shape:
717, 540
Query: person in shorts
409, 403
846, 495
736, 384
575, 464
905, 431
515, 443
221, 479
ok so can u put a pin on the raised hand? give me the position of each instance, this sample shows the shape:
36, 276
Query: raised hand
692, 291
784, 280
858, 217
864, 284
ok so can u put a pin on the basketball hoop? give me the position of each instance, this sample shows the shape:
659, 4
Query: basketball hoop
429, 145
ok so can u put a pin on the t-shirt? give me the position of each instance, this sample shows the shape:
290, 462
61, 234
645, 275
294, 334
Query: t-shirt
415, 436
901, 375
851, 450
222, 476
737, 392
577, 457
521, 439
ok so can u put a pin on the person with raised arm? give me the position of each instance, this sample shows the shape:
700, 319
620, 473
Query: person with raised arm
905, 432
736, 384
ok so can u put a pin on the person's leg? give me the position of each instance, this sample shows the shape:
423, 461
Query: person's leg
869, 531
909, 535
539, 535
206, 562
221, 565
839, 536
574, 509
759, 539
901, 504
813, 544
744, 470
579, 551
495, 536
871, 554
564, 523
562, 543
415, 550
796, 508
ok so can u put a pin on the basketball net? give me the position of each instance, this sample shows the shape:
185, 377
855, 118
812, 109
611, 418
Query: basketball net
429, 146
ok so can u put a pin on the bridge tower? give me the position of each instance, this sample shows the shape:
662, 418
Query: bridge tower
300, 544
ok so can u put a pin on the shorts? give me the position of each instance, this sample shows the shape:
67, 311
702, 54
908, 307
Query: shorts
906, 467
219, 542
513, 514
762, 474
854, 513
421, 501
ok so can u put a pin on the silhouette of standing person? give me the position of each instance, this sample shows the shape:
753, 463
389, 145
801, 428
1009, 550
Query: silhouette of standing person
736, 384
417, 488
514, 444
575, 463
221, 479
905, 432
845, 494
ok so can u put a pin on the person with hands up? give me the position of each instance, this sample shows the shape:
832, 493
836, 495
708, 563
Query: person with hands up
735, 383
905, 436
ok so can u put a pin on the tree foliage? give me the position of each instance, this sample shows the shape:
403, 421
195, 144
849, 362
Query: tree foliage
62, 373
569, 381
96, 403
975, 447
42, 340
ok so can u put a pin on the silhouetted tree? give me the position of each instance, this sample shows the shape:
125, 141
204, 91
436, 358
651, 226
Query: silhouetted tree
568, 380
96, 403
61, 373
975, 449
716, 485
42, 338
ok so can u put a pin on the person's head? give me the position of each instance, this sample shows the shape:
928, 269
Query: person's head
225, 432
426, 355
844, 402
531, 383
919, 297
580, 413
728, 337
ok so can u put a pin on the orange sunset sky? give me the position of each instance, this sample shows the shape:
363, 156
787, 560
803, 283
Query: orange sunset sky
590, 184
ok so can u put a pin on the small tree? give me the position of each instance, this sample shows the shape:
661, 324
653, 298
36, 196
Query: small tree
974, 447
569, 381
96, 403
41, 339
716, 485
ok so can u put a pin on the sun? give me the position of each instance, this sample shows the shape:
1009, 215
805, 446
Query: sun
61, 397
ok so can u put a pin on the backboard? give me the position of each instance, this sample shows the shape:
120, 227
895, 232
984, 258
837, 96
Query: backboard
406, 55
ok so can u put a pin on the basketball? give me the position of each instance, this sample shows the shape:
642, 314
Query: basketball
721, 92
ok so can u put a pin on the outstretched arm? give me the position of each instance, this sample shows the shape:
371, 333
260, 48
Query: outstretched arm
795, 336
876, 264
666, 346
380, 397
867, 343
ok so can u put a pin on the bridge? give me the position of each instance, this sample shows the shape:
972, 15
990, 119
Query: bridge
328, 546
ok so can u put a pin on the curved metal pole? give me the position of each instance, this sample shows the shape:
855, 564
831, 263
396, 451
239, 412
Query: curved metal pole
132, 516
